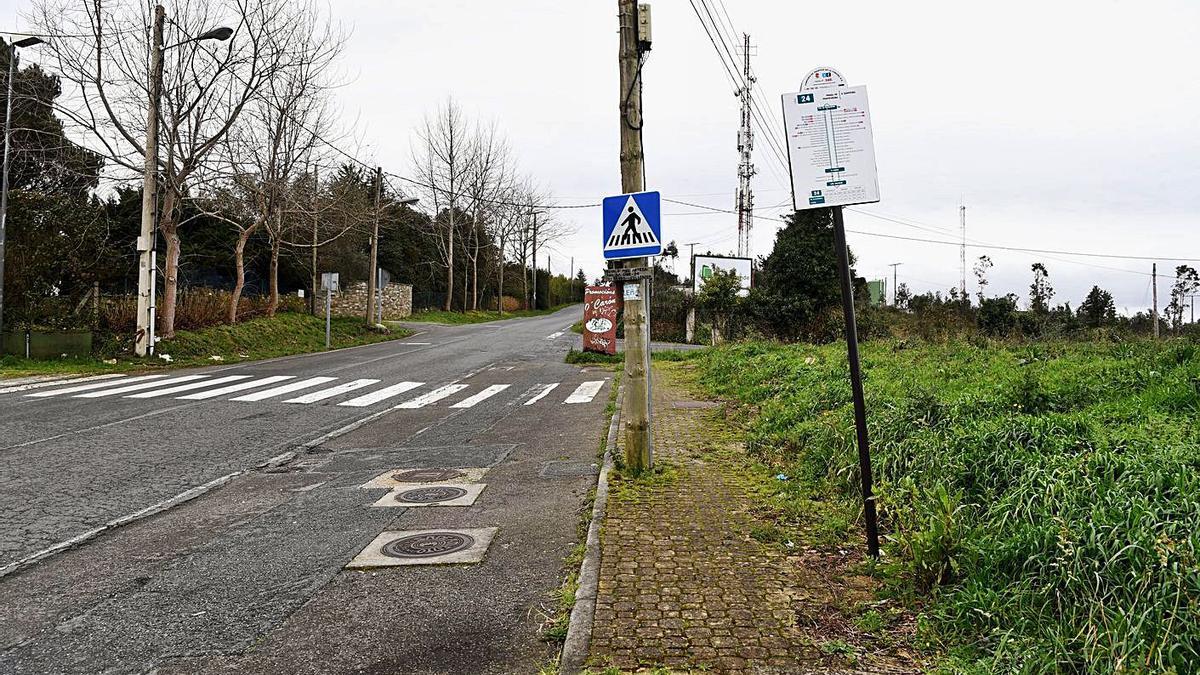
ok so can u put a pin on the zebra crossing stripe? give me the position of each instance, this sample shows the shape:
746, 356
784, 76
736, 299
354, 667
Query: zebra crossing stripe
332, 391
585, 392
546, 389
187, 387
94, 385
140, 386
381, 394
481, 396
284, 389
241, 386
432, 397
36, 383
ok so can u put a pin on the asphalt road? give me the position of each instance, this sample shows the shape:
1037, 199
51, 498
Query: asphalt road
251, 576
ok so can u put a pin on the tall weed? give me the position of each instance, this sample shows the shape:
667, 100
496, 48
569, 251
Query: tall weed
1044, 497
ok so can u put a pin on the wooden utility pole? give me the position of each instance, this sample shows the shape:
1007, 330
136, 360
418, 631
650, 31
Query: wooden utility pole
312, 300
534, 259
636, 412
1154, 283
370, 303
895, 286
144, 339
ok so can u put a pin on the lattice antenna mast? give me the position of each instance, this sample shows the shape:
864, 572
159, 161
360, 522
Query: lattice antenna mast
745, 196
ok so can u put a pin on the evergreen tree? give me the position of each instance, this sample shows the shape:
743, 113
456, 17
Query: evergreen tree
1040, 291
797, 284
1097, 309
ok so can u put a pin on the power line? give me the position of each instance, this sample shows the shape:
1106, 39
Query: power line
1115, 256
975, 245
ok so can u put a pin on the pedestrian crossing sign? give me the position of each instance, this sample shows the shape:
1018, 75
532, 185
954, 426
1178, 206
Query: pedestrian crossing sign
632, 226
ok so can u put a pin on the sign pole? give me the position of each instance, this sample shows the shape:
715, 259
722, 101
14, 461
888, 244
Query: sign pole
860, 407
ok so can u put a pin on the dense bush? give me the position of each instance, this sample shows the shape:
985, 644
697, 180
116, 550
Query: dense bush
1043, 496
197, 308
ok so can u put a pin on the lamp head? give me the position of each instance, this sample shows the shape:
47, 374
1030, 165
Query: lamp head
28, 42
223, 33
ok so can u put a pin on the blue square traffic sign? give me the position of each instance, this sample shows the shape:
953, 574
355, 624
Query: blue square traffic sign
632, 226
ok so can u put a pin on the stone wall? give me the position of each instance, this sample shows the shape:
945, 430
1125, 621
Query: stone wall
351, 301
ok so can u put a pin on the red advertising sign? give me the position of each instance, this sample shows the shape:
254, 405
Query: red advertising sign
601, 304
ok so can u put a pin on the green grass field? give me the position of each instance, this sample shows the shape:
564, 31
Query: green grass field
286, 334
1040, 503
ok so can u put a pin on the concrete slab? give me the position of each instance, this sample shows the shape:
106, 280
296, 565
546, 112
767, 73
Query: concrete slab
416, 495
419, 547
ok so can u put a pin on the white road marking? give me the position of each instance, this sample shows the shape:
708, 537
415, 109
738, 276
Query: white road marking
585, 392
553, 336
381, 394
89, 387
284, 389
432, 397
241, 386
332, 391
546, 389
416, 344
481, 396
55, 383
187, 387
125, 389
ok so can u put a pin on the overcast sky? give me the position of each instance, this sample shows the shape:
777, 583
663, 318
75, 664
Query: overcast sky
1069, 125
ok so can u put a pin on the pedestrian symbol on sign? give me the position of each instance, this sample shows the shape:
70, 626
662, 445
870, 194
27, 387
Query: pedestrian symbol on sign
631, 226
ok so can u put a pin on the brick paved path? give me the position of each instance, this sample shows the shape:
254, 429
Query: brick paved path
682, 585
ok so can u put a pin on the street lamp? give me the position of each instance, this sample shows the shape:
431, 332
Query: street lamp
12, 70
147, 250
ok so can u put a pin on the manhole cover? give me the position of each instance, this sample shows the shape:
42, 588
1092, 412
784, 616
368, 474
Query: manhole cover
427, 545
427, 475
427, 495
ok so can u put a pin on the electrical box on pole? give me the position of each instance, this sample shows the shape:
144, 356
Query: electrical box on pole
643, 28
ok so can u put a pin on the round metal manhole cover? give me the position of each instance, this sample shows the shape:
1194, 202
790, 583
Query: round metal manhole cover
429, 495
427, 475
427, 545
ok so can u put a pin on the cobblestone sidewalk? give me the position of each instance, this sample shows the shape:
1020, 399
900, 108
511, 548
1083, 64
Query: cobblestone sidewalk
683, 586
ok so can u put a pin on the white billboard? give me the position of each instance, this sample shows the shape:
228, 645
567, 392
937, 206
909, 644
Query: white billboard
703, 266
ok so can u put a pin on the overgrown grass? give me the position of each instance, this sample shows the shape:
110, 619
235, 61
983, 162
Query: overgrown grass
1041, 501
286, 334
475, 316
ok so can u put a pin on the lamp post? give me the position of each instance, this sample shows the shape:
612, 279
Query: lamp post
12, 72
147, 250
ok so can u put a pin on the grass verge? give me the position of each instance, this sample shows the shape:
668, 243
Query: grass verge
1038, 501
284, 335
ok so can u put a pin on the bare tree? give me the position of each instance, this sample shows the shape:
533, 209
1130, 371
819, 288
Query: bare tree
442, 161
101, 50
490, 177
278, 138
509, 214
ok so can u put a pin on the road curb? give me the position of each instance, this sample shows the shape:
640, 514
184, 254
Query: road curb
579, 629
